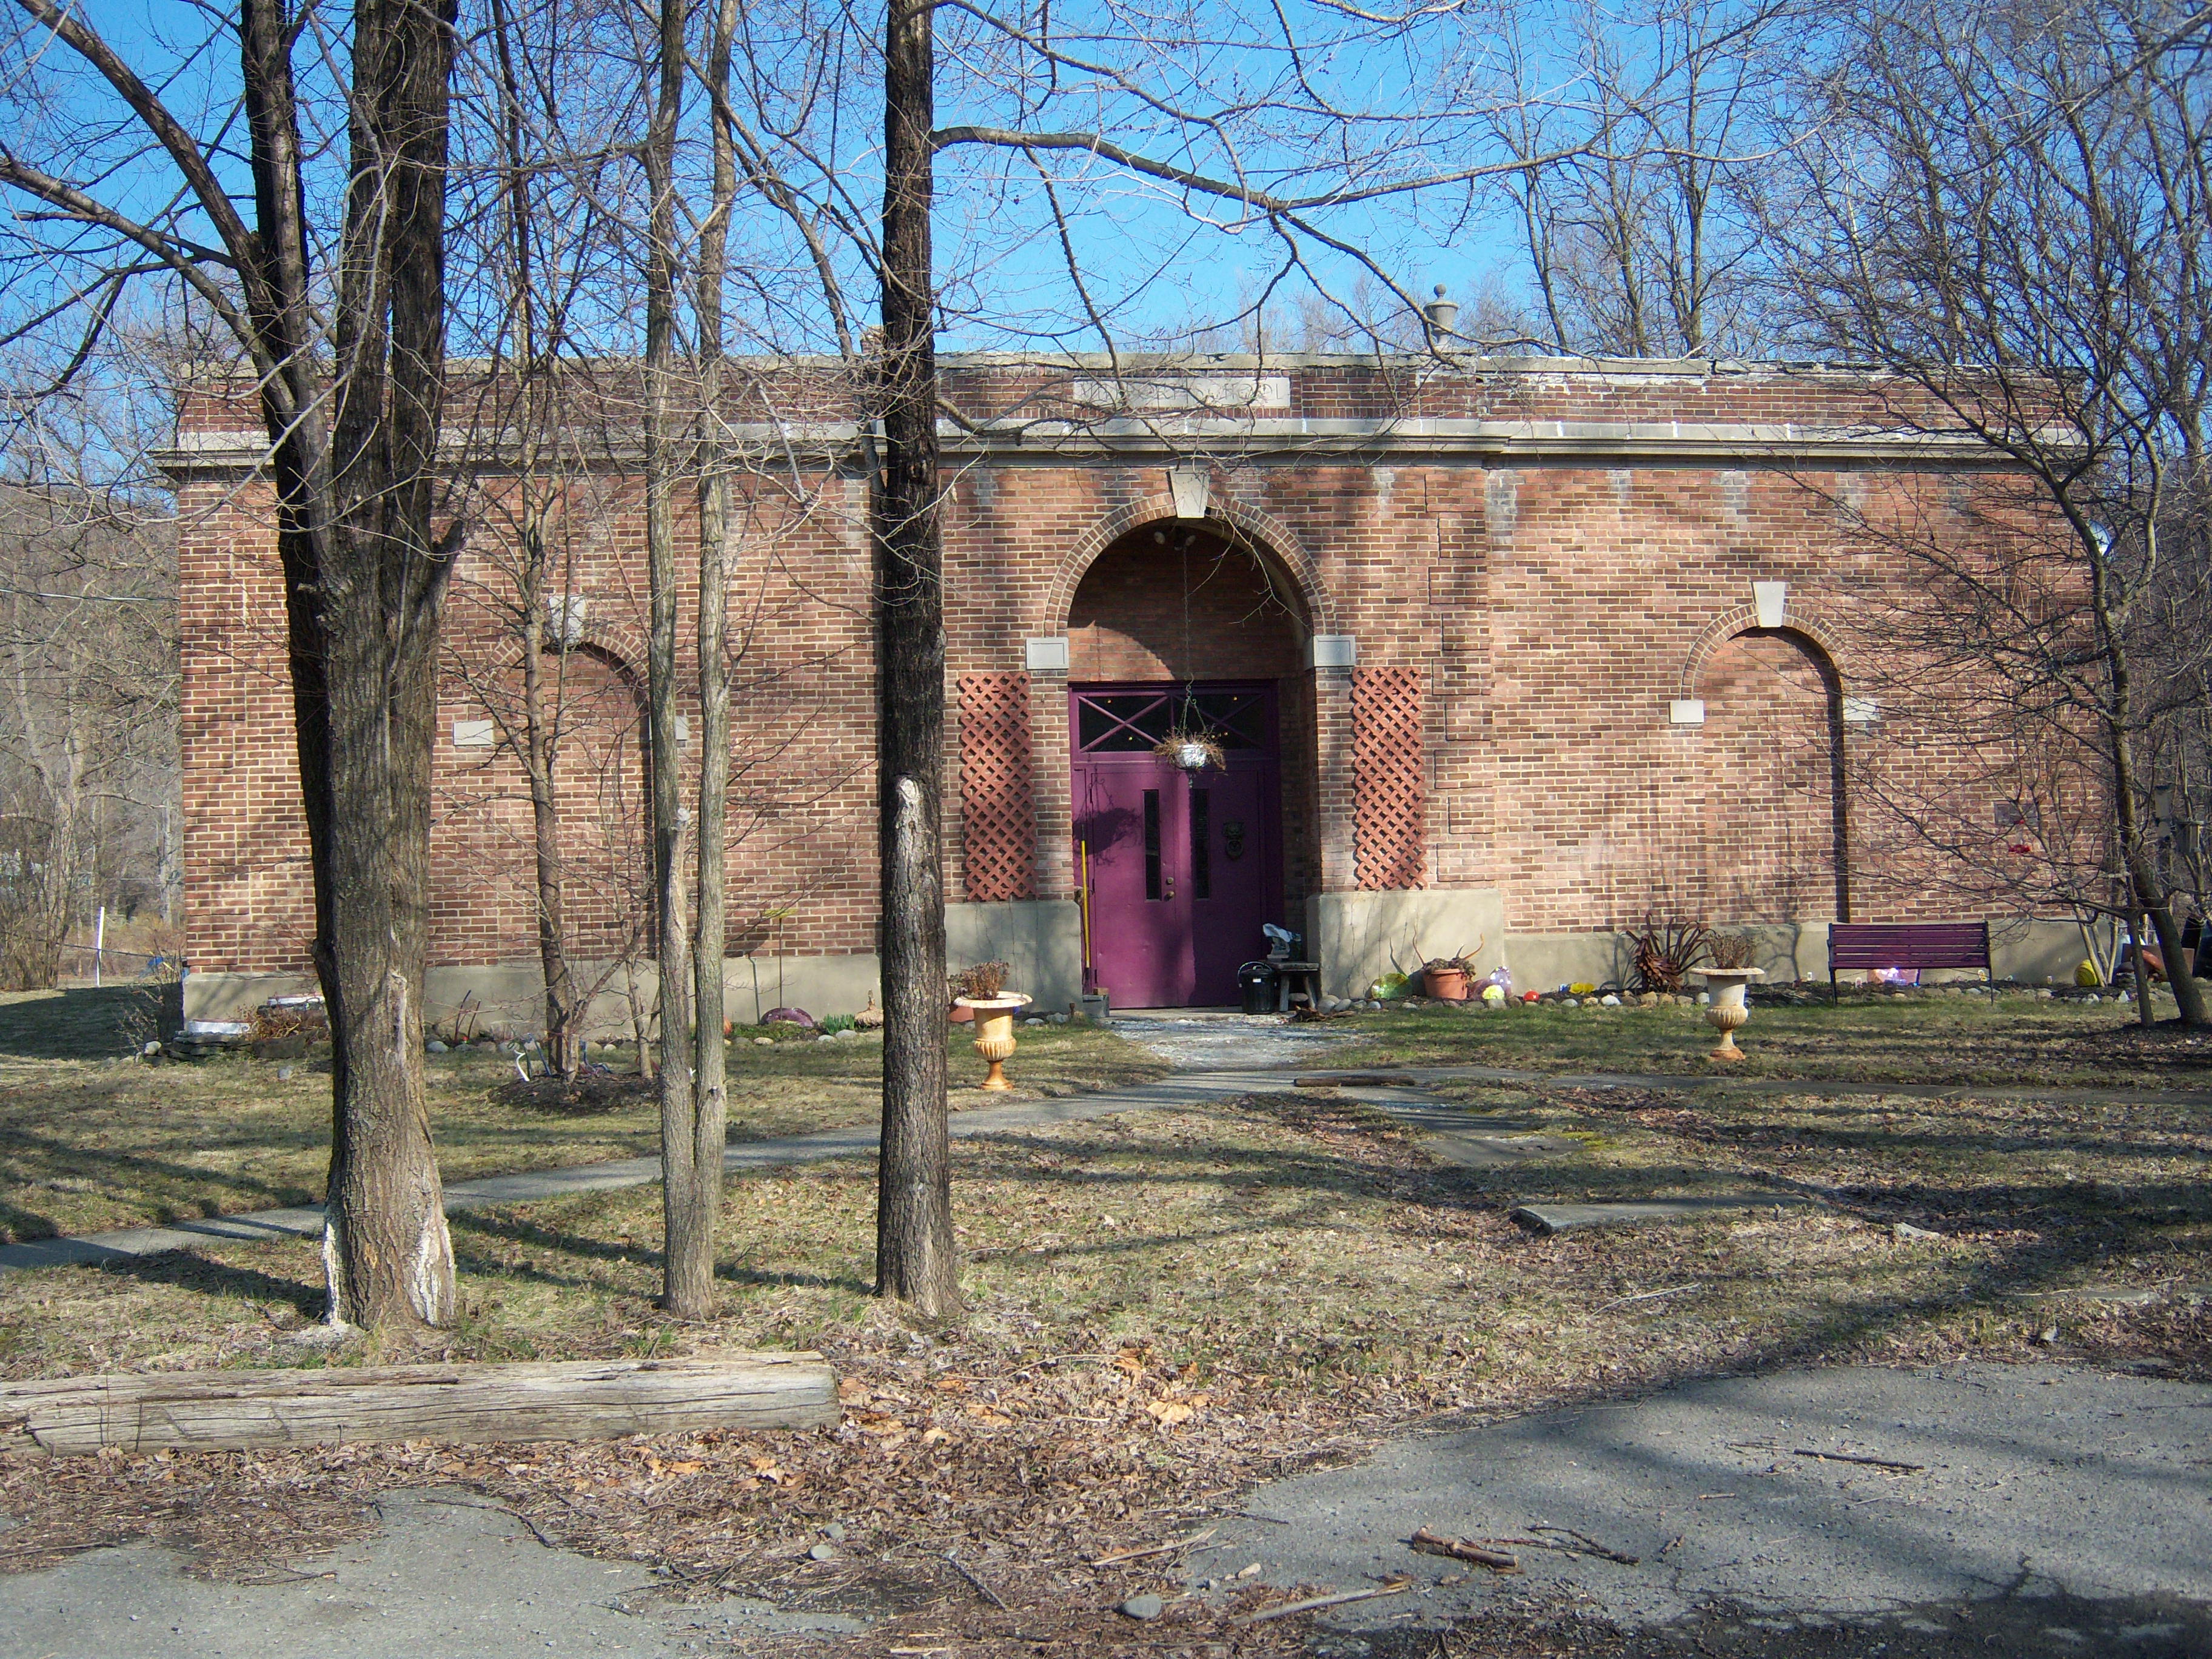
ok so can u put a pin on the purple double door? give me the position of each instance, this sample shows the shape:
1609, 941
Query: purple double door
1183, 869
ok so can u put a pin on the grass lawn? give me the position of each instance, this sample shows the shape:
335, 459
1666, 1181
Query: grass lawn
88, 1143
1923, 1037
1162, 1308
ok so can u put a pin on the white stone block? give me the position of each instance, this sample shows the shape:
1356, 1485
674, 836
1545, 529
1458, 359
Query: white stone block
1687, 711
1193, 490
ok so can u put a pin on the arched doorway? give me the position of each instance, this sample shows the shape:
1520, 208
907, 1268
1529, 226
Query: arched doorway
1775, 833
1180, 629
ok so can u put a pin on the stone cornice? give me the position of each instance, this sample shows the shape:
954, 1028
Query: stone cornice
1263, 439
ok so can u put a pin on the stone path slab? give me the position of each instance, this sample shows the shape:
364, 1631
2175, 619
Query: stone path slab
1692, 1082
1646, 1212
1179, 1039
1182, 1090
1490, 1144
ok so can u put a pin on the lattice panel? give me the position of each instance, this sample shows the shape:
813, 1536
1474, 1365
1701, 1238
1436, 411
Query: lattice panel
997, 822
1389, 779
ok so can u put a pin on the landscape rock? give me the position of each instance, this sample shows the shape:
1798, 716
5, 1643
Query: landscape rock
1147, 1606
434, 1047
1907, 1229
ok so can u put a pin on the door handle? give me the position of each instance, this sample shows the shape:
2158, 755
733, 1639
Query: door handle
1170, 892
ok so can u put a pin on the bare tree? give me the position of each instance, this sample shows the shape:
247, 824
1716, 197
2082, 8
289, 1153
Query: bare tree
351, 407
2009, 209
1649, 131
87, 705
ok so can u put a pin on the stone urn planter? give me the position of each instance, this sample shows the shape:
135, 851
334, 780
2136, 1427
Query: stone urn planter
1729, 1010
994, 1031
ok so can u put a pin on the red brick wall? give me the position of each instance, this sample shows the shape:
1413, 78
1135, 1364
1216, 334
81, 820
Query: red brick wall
1549, 610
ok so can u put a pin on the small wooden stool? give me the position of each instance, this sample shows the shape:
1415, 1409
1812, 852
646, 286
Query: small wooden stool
1298, 979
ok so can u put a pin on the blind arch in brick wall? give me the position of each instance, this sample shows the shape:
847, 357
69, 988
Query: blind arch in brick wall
1742, 618
1389, 779
998, 816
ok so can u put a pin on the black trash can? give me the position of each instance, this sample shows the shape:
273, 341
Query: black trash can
1257, 982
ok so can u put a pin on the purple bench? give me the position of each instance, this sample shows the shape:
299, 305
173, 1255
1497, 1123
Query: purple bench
1876, 945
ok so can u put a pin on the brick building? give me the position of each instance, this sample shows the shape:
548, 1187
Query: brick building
1507, 652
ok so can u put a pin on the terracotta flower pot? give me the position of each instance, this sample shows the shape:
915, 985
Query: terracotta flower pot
1445, 984
994, 1031
962, 1014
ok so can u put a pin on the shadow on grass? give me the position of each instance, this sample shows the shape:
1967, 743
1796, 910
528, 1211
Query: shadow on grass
80, 1023
22, 1224
2034, 1237
188, 1270
118, 1168
533, 1235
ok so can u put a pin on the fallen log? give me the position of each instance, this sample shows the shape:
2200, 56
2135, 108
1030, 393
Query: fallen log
586, 1399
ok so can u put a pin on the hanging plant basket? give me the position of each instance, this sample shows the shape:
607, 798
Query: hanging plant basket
1192, 752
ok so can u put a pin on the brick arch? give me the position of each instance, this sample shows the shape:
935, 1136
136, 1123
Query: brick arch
619, 645
620, 650
1742, 619
1264, 534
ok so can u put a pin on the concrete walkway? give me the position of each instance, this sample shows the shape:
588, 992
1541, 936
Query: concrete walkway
2052, 1503
444, 1576
305, 1220
1303, 1055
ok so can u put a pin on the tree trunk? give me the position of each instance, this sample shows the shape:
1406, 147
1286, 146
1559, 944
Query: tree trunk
385, 1247
2149, 892
688, 1257
563, 1044
691, 1282
914, 1257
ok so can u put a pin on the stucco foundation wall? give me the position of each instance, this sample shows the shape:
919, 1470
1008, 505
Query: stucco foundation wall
1040, 942
2026, 951
1358, 937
